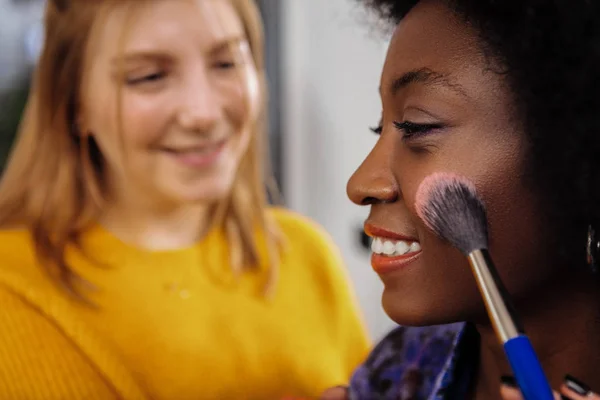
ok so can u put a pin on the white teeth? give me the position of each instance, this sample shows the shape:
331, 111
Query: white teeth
402, 247
393, 248
376, 246
388, 248
415, 246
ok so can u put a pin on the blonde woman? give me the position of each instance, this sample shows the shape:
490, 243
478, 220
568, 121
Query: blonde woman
138, 257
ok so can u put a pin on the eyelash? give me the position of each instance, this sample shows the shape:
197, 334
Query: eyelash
146, 78
226, 64
409, 129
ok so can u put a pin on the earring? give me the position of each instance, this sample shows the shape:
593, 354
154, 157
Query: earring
592, 249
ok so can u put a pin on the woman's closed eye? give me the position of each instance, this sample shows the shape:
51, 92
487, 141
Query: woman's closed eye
412, 129
409, 129
225, 64
145, 78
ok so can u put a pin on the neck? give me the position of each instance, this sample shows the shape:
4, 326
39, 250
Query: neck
561, 321
156, 228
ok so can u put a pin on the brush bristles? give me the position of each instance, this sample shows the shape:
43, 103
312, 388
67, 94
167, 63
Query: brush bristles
450, 207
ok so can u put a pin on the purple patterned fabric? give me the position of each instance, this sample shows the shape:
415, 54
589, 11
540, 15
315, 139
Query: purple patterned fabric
424, 363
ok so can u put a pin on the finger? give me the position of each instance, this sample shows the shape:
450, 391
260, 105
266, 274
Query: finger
335, 393
510, 393
574, 389
509, 390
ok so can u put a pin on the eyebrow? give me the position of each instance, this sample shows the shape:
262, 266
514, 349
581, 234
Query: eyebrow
153, 55
144, 55
425, 76
227, 43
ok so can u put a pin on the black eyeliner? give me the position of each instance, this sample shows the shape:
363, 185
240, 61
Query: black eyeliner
412, 129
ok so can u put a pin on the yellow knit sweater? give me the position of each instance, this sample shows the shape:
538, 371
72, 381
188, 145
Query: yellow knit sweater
177, 325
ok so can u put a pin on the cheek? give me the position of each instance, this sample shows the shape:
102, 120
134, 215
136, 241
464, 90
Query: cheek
496, 169
119, 134
99, 109
144, 118
515, 223
517, 242
243, 98
242, 107
493, 163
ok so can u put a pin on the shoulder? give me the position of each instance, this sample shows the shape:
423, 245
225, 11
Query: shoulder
25, 327
300, 232
407, 353
308, 246
18, 258
75, 361
309, 253
15, 243
313, 268
14, 240
293, 223
65, 358
54, 350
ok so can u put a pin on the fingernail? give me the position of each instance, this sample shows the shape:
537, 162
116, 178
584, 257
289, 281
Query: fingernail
563, 397
509, 381
577, 386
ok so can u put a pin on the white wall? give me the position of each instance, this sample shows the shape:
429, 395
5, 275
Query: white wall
20, 21
331, 65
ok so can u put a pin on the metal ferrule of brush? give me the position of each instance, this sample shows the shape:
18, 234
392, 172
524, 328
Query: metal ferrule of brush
495, 296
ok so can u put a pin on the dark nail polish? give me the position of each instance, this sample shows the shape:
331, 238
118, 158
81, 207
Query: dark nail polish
563, 397
509, 381
577, 386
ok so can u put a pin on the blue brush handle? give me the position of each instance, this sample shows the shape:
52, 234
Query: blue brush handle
527, 369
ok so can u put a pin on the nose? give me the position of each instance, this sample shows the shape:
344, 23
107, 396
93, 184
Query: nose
374, 182
201, 104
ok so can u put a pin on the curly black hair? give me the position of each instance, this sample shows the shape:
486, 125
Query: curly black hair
549, 51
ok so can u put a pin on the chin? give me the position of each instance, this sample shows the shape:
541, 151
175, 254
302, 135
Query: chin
215, 195
422, 311
211, 191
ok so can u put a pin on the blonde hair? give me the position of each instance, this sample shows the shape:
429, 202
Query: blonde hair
52, 181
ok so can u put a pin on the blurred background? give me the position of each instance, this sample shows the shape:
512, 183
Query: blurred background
323, 65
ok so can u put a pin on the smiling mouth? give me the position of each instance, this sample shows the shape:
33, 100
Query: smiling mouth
391, 251
197, 156
392, 255
196, 149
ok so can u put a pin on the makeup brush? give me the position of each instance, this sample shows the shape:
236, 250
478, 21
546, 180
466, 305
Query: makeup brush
450, 207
